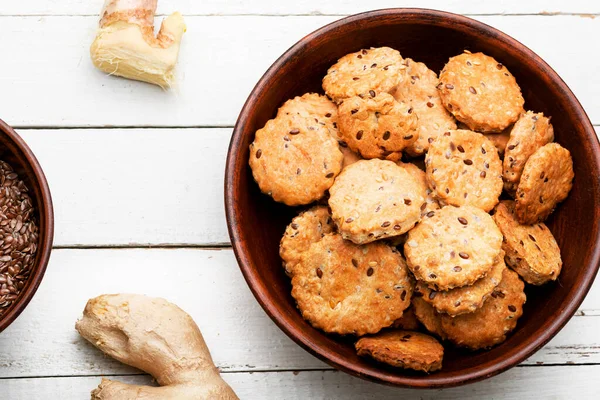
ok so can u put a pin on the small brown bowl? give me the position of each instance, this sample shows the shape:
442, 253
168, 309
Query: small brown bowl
15, 152
256, 223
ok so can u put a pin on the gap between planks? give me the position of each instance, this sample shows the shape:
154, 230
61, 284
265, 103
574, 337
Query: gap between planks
149, 246
315, 14
260, 371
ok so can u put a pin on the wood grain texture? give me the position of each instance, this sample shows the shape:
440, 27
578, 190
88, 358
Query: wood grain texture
221, 60
313, 7
135, 187
209, 286
518, 383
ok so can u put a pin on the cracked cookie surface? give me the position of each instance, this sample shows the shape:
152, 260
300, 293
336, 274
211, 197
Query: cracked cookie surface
344, 288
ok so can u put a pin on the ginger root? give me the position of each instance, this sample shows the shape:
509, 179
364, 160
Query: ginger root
126, 46
157, 337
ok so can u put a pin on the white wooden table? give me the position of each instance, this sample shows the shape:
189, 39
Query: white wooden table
137, 179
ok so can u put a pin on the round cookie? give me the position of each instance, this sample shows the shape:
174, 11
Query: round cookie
418, 88
374, 199
427, 315
404, 349
344, 288
490, 324
480, 92
454, 247
407, 321
431, 204
375, 69
294, 159
377, 127
313, 106
531, 250
529, 133
464, 299
463, 168
323, 111
547, 179
304, 230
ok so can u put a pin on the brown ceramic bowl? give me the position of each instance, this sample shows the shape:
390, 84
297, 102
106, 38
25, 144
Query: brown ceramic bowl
15, 152
256, 223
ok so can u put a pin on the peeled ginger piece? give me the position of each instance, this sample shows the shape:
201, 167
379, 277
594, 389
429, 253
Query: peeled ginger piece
126, 46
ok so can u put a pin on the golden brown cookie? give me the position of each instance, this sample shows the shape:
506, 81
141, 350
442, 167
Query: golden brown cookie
313, 106
431, 203
404, 349
375, 199
377, 127
418, 88
427, 315
464, 299
375, 69
463, 168
344, 288
323, 111
294, 159
479, 91
490, 324
454, 247
304, 230
529, 133
531, 250
547, 180
407, 321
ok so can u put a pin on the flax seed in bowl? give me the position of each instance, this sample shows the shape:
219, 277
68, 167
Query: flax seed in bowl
26, 225
256, 223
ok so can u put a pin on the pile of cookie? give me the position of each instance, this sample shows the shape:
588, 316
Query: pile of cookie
391, 246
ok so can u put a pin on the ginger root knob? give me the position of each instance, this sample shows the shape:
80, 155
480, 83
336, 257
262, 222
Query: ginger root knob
157, 337
125, 44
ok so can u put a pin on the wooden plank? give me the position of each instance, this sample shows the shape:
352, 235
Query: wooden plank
518, 383
313, 7
52, 82
135, 187
207, 284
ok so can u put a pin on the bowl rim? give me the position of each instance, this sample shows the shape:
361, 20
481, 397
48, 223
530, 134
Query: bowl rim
47, 237
322, 352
